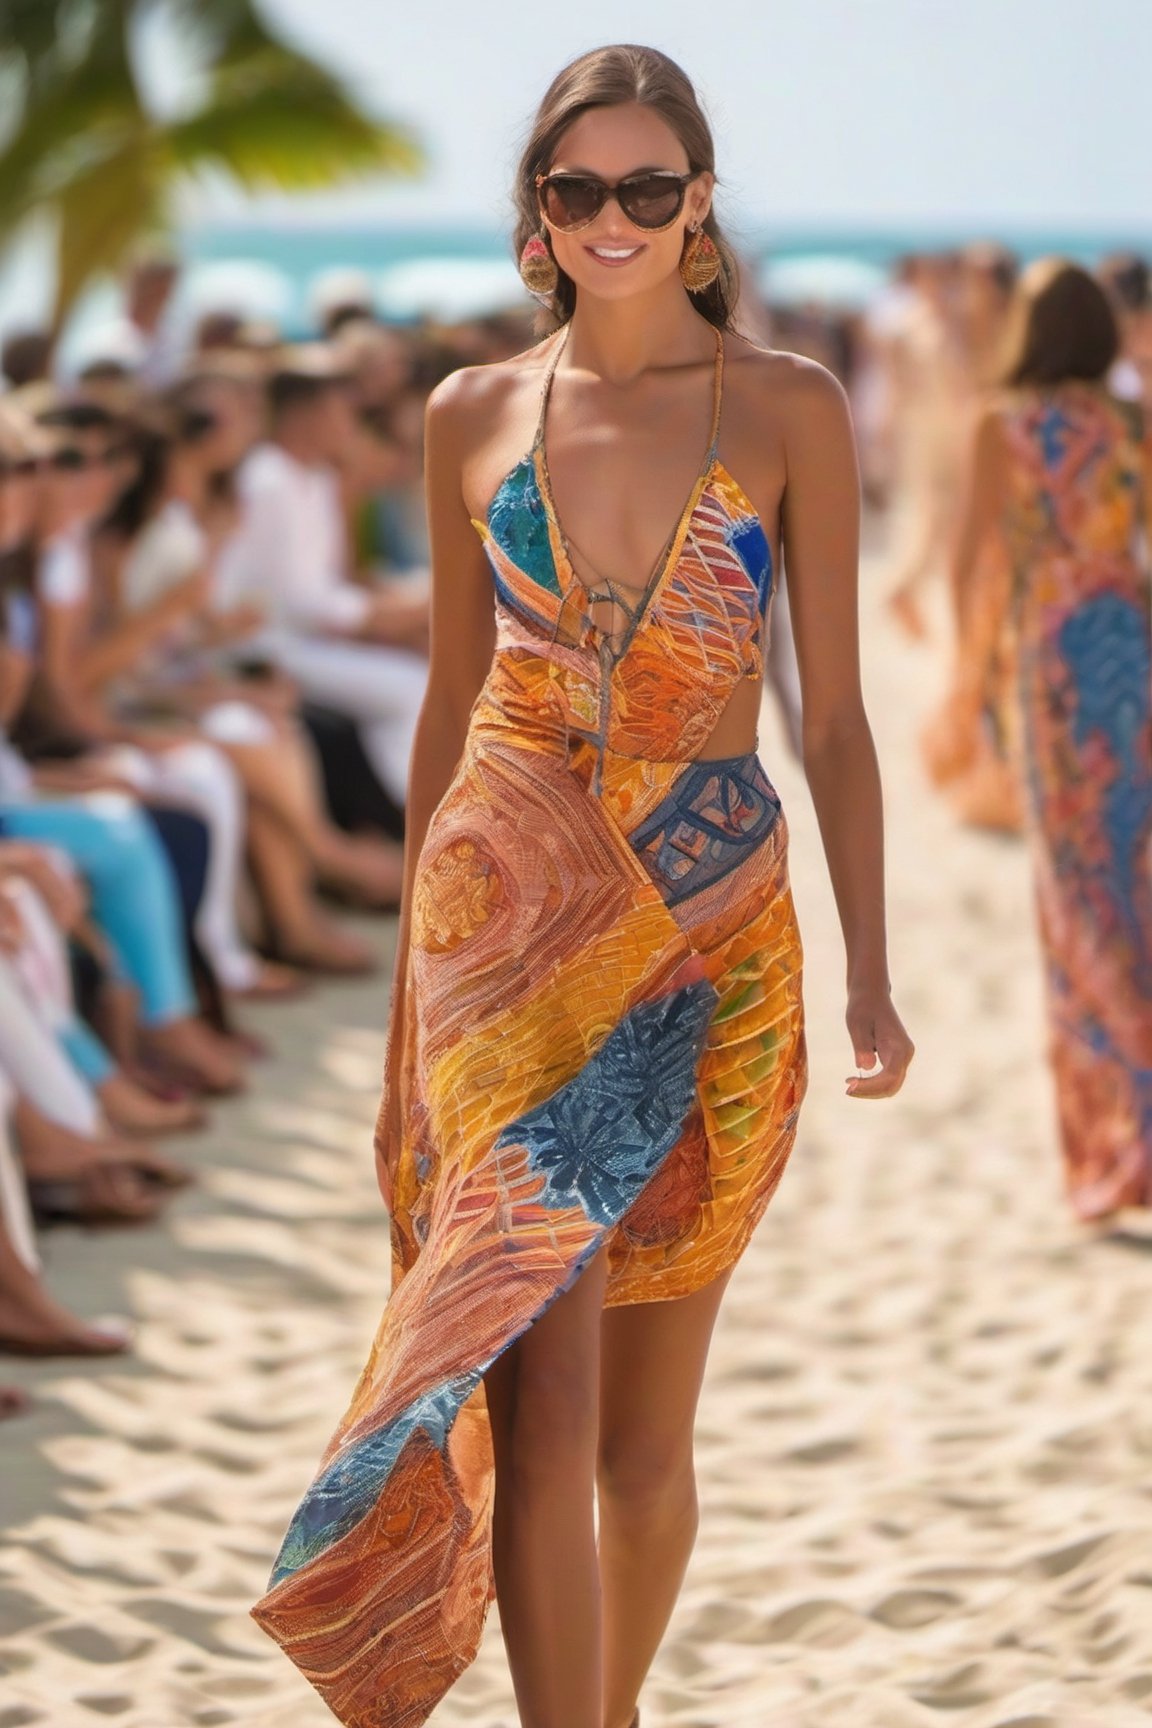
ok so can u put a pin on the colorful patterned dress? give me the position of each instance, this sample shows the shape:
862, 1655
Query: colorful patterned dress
1081, 581
603, 1046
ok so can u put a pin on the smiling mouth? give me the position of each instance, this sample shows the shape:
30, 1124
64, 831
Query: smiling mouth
614, 255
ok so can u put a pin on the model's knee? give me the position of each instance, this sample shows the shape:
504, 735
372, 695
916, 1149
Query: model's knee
648, 1477
551, 1435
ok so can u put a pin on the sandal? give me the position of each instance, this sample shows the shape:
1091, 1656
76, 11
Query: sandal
109, 1194
13, 1402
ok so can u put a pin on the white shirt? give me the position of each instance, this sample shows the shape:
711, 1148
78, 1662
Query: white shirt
15, 774
64, 572
1124, 380
167, 550
289, 552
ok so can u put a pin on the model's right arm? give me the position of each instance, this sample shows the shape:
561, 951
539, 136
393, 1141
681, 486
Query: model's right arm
462, 639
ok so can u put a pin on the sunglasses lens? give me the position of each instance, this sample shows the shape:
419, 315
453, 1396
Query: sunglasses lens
570, 201
651, 200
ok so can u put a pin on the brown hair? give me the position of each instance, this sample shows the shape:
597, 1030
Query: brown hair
1062, 326
606, 78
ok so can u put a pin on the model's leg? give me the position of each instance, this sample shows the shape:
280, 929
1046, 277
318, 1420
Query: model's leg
652, 1367
543, 1400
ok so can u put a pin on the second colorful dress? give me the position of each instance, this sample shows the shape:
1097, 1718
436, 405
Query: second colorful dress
1075, 523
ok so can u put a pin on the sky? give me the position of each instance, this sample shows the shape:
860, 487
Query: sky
900, 117
858, 112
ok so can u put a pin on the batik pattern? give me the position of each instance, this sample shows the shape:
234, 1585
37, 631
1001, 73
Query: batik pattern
1082, 628
603, 1047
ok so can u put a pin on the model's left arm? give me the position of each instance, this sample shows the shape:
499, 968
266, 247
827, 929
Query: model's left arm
821, 533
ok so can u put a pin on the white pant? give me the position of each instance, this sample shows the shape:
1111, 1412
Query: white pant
14, 1207
35, 997
380, 688
199, 777
35, 1002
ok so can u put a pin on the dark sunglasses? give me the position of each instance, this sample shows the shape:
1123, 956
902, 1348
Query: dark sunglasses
651, 200
71, 460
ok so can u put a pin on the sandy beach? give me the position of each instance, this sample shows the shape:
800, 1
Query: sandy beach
926, 1441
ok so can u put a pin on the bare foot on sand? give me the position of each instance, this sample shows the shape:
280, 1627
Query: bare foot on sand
133, 1109
322, 946
190, 1051
33, 1323
271, 983
368, 870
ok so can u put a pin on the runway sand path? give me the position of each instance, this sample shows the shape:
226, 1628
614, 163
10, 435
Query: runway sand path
926, 1441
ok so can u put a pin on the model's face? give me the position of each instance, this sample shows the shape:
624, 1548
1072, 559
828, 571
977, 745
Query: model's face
612, 258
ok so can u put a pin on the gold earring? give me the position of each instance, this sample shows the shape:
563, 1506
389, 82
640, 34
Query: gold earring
699, 262
538, 270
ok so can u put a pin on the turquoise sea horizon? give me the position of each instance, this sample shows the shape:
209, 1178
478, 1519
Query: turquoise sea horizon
291, 255
300, 253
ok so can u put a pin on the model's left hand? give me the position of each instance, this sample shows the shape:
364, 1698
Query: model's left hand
877, 1034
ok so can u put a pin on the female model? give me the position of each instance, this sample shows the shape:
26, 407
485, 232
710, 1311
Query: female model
596, 1055
1062, 474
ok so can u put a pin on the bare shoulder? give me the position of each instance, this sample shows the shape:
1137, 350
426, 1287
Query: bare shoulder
475, 398
784, 377
989, 427
782, 392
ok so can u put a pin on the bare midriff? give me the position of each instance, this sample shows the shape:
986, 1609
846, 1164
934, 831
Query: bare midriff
734, 733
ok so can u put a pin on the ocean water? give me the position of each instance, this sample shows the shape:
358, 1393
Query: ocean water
273, 266
300, 250
298, 254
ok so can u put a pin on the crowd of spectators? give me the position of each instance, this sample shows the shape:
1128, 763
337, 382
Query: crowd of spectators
213, 639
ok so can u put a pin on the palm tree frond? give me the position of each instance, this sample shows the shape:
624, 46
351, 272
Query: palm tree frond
101, 212
72, 111
276, 126
83, 146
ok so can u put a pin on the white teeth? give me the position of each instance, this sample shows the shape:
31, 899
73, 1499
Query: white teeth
614, 252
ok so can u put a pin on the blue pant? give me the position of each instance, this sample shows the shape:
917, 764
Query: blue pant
85, 1051
134, 900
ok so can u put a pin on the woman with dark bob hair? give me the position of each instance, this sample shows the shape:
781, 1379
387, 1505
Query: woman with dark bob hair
1060, 478
596, 1052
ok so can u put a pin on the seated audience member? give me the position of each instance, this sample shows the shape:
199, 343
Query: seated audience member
1127, 280
81, 808
143, 336
32, 1322
26, 358
164, 647
351, 647
340, 296
88, 465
